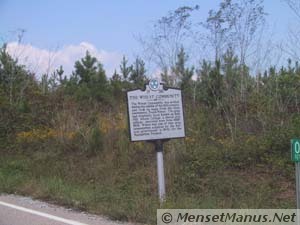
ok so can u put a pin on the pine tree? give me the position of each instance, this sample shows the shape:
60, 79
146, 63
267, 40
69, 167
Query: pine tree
182, 72
138, 74
86, 68
92, 78
125, 70
116, 83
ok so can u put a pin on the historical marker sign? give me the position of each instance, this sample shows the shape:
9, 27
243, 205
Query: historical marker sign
155, 113
295, 150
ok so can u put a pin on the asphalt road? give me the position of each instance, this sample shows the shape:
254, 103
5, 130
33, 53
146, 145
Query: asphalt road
17, 210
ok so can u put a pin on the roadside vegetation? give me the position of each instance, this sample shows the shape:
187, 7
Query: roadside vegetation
64, 137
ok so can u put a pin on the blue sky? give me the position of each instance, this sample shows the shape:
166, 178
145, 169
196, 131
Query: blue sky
108, 27
107, 24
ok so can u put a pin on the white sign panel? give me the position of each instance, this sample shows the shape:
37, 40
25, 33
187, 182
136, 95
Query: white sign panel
155, 113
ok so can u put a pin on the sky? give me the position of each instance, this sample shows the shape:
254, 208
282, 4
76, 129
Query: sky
58, 32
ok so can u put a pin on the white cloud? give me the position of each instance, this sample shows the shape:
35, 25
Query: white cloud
42, 61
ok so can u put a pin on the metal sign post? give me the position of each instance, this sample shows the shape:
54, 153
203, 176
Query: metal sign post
160, 170
156, 115
295, 155
297, 166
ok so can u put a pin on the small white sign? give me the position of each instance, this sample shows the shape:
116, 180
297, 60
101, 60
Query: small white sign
155, 113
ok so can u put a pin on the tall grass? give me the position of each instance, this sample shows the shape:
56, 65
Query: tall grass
85, 160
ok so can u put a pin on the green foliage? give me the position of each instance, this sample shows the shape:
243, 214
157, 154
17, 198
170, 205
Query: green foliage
96, 140
15, 81
89, 81
183, 74
211, 85
117, 85
138, 73
125, 70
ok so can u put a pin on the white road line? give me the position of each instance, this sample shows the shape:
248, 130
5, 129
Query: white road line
46, 215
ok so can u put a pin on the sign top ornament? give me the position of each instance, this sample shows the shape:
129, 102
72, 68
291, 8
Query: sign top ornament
154, 84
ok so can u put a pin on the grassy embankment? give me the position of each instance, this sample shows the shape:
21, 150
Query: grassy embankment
87, 162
